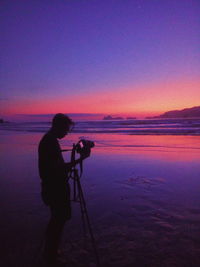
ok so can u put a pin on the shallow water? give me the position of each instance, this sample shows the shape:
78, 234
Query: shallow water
142, 194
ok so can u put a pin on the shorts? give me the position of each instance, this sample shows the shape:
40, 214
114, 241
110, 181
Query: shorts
58, 199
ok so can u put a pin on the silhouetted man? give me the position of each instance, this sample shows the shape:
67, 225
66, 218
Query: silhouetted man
55, 187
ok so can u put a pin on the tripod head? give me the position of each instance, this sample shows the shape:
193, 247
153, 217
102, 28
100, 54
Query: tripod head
83, 148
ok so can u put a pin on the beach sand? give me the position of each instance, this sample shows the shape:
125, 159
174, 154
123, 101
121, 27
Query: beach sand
143, 204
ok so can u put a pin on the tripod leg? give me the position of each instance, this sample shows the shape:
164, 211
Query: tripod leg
74, 188
83, 218
84, 212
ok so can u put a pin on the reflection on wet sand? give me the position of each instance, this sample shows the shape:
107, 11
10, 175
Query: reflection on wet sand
143, 201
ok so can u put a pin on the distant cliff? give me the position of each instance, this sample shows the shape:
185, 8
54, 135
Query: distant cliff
184, 113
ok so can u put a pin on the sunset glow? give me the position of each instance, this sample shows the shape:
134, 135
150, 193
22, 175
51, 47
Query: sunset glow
138, 101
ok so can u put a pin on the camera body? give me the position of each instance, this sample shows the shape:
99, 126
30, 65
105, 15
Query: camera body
84, 146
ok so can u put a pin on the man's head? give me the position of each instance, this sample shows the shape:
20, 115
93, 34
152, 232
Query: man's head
61, 125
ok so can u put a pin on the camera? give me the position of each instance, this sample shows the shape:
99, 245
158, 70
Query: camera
84, 146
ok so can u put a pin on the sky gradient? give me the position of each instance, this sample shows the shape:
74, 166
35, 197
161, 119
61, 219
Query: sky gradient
99, 56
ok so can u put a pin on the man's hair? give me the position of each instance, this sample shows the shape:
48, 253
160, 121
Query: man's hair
60, 120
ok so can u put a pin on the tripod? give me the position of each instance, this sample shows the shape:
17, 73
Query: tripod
79, 197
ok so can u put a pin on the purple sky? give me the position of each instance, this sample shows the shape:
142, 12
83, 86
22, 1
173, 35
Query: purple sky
70, 48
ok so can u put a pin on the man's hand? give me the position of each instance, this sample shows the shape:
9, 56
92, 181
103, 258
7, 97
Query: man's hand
85, 153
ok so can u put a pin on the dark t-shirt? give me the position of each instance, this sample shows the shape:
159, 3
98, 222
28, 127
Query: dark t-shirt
52, 170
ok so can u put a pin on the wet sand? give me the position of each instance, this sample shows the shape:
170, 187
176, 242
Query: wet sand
144, 206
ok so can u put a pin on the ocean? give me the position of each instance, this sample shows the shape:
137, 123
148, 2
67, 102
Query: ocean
127, 127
